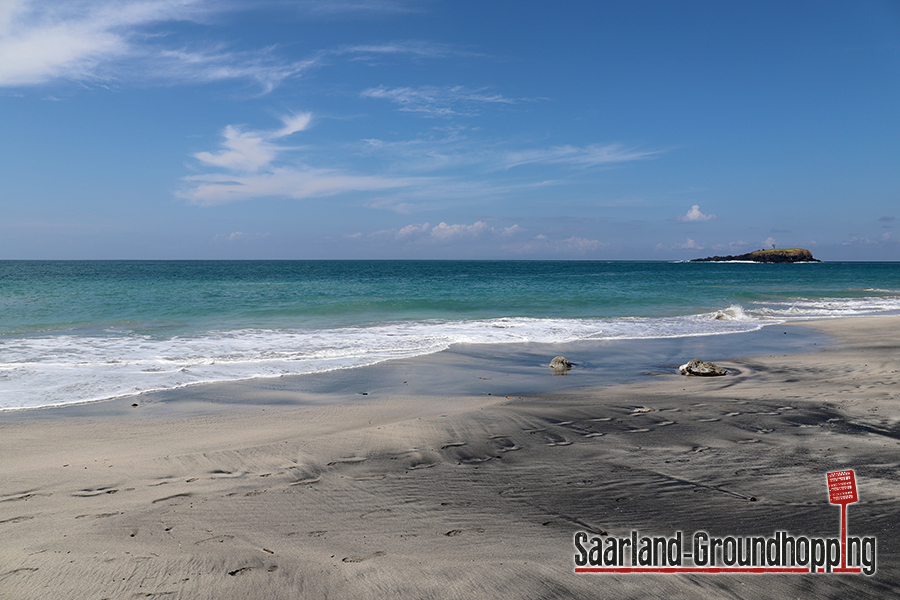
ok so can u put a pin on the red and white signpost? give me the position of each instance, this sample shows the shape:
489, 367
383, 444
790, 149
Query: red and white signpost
842, 490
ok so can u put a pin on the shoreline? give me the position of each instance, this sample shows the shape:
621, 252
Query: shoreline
459, 473
598, 363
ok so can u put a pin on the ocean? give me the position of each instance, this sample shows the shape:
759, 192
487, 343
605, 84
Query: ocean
82, 331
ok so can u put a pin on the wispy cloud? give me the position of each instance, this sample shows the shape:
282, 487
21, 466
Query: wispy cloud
435, 101
298, 183
236, 236
694, 215
414, 48
514, 239
107, 40
355, 7
544, 244
457, 149
254, 169
250, 151
689, 245
446, 233
585, 156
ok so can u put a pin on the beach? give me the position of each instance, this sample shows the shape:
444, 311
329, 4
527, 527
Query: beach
461, 474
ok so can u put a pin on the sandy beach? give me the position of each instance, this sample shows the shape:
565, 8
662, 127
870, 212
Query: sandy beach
460, 475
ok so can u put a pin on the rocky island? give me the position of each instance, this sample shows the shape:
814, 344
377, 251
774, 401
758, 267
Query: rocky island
788, 255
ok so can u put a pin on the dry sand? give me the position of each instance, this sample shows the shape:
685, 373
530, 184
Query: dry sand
289, 489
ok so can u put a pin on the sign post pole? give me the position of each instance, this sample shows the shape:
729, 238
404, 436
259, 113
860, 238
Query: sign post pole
842, 490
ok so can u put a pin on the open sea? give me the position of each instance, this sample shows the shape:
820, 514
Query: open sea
80, 331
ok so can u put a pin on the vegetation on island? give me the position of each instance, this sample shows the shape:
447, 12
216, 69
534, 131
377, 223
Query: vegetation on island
780, 255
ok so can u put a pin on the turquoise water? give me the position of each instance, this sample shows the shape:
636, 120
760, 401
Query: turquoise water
83, 331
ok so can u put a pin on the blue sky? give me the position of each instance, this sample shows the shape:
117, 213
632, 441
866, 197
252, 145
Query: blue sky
448, 129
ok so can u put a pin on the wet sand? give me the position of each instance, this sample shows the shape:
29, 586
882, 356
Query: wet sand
461, 474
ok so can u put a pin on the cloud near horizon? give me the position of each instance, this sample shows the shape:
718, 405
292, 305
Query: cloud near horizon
514, 240
443, 232
694, 215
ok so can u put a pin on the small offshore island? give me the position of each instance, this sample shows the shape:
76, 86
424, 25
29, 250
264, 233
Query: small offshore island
788, 255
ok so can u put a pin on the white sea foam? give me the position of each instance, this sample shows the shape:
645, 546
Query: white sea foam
803, 308
63, 369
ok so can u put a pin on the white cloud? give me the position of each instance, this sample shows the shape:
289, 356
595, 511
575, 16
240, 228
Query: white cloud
239, 235
250, 151
410, 48
436, 101
103, 40
694, 215
250, 156
739, 246
355, 7
445, 232
769, 242
290, 182
586, 156
413, 230
689, 245
542, 244
243, 151
294, 123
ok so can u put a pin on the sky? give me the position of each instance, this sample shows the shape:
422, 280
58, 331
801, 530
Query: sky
448, 129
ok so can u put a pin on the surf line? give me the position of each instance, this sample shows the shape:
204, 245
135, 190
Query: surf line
779, 553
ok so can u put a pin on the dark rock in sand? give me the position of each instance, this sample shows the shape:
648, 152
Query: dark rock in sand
560, 365
701, 368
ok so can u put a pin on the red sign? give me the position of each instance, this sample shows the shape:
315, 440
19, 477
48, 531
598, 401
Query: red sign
842, 487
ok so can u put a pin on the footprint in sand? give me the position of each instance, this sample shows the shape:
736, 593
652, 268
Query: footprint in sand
504, 444
416, 465
307, 481
174, 497
305, 475
25, 496
91, 492
21, 571
219, 538
578, 428
100, 515
474, 459
15, 520
455, 532
358, 559
242, 570
318, 533
554, 439
349, 460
